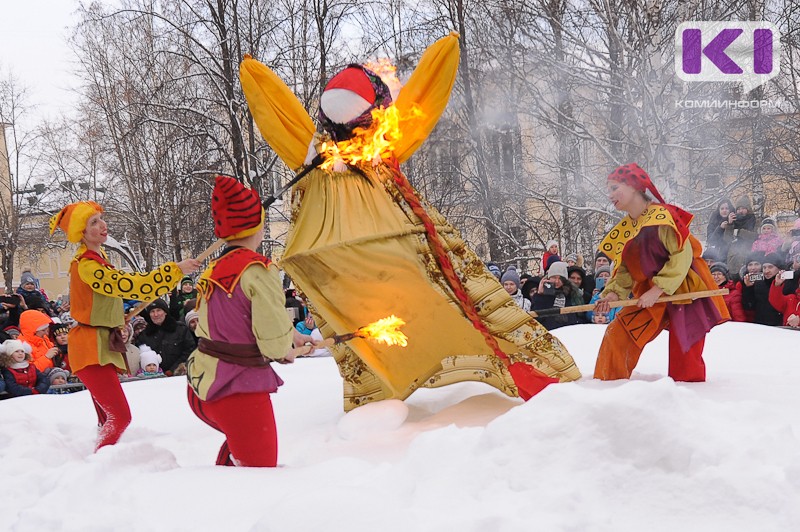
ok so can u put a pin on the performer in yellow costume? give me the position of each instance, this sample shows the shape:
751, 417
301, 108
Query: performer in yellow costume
96, 291
359, 248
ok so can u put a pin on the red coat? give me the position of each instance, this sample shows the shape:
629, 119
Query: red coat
734, 302
786, 305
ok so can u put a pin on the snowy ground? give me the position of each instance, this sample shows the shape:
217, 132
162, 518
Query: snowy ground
645, 454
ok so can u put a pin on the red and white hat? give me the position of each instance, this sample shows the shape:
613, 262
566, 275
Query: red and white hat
347, 95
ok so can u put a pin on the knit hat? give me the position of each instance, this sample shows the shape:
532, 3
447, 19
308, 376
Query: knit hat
12, 329
58, 328
712, 254
578, 269
55, 373
571, 257
602, 269
158, 303
10, 346
601, 254
191, 315
148, 356
72, 219
746, 202
235, 209
774, 259
186, 279
494, 269
26, 277
755, 256
720, 267
768, 221
550, 243
558, 268
349, 98
511, 275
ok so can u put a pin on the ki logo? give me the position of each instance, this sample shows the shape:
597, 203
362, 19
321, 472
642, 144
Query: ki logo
746, 51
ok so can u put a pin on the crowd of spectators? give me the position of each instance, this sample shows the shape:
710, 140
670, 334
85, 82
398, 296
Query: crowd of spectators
748, 256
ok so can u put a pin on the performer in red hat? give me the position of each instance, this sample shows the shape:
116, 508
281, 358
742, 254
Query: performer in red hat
654, 253
230, 377
96, 290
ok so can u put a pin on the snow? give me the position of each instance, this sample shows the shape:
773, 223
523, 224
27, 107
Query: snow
644, 454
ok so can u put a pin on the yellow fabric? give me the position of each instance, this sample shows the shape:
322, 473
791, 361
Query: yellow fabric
429, 89
669, 278
72, 219
96, 293
359, 254
279, 115
627, 229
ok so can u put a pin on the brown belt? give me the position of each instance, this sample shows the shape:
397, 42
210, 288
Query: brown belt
241, 354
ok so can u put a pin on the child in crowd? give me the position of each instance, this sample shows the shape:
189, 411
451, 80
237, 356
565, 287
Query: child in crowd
58, 335
12, 331
20, 376
131, 351
550, 250
149, 361
56, 377
768, 241
601, 277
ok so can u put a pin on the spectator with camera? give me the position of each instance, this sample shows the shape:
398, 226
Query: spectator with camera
716, 228
756, 290
557, 291
787, 303
740, 234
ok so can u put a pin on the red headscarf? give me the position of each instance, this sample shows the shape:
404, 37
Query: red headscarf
633, 175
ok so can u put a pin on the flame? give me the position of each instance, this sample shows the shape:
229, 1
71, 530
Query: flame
388, 73
385, 330
372, 144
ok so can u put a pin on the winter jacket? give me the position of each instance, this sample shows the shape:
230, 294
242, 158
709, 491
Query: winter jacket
521, 301
756, 298
29, 322
715, 235
786, 304
569, 297
172, 340
767, 244
738, 312
25, 381
610, 315
740, 238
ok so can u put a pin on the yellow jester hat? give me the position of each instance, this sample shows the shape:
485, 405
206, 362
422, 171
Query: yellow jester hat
72, 219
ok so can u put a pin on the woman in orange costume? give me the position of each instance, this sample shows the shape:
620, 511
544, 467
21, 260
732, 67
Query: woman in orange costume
96, 291
654, 253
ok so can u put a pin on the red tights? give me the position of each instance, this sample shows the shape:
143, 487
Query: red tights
113, 412
248, 422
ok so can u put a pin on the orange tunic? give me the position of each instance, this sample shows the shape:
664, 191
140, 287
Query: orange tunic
96, 292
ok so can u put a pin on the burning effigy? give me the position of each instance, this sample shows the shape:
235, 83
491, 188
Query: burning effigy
363, 244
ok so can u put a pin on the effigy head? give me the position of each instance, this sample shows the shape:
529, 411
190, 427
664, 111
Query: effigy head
348, 100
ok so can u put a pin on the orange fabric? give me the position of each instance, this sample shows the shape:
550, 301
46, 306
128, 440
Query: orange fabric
29, 321
619, 354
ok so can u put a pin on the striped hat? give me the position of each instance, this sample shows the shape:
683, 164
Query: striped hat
236, 209
72, 219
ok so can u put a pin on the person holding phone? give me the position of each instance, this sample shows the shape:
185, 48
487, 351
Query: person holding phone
787, 303
654, 253
756, 291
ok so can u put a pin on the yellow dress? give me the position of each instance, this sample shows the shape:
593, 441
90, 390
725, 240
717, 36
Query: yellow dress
359, 253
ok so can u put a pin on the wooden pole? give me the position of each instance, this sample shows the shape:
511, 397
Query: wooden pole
628, 303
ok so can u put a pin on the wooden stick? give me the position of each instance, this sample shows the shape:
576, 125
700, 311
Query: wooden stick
628, 302
201, 257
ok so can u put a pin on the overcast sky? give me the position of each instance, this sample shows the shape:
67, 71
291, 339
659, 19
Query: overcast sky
33, 46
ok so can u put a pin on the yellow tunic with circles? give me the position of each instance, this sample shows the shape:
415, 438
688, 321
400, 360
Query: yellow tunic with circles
96, 293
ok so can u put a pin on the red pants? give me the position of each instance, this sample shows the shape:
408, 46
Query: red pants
248, 422
113, 412
619, 354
